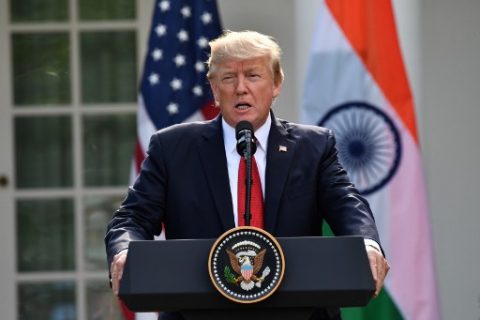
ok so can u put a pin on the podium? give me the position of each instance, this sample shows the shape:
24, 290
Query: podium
320, 272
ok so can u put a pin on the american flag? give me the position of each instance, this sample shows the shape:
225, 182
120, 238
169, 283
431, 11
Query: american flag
174, 87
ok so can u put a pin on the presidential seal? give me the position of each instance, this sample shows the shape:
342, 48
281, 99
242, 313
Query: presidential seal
246, 264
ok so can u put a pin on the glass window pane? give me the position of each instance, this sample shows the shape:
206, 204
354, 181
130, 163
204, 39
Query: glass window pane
34, 10
108, 63
41, 69
98, 212
45, 235
101, 303
43, 151
108, 144
106, 9
48, 300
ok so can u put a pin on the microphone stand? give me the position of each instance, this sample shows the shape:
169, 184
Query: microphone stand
248, 177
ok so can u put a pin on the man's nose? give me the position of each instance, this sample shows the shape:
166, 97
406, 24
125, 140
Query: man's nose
241, 85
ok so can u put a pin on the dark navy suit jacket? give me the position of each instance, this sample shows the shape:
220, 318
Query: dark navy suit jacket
184, 185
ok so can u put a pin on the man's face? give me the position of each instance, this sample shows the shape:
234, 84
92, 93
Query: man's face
244, 90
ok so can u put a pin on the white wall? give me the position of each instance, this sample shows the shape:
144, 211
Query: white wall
450, 132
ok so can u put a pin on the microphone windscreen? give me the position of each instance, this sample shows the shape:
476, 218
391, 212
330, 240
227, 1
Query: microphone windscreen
244, 134
241, 126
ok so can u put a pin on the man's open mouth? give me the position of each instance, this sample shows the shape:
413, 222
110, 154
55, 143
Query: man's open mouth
243, 106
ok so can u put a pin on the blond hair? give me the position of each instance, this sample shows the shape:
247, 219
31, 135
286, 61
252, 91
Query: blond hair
241, 45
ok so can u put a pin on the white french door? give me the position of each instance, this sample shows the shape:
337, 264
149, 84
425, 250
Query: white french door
68, 92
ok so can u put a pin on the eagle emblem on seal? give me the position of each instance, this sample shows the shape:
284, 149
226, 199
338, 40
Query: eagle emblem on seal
247, 264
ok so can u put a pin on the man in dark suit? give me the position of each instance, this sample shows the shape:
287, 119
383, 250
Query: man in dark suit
188, 182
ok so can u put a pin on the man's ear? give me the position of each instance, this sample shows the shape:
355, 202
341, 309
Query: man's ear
277, 89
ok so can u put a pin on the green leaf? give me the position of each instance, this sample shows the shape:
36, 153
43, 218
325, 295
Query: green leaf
229, 275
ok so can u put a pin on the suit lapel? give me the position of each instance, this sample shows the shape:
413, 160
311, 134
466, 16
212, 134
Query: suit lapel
212, 154
279, 158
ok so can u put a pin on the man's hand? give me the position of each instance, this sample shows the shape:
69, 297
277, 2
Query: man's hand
116, 269
379, 267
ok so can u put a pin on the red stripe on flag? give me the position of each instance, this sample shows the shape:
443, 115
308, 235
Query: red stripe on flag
369, 25
209, 111
139, 156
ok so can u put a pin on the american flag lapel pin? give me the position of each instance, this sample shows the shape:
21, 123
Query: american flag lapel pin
282, 148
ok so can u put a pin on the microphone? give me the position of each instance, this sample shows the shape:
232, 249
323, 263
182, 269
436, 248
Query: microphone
246, 147
245, 137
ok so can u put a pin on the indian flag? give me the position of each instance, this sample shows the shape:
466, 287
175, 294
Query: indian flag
357, 86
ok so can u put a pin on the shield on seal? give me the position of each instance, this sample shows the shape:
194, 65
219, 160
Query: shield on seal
247, 271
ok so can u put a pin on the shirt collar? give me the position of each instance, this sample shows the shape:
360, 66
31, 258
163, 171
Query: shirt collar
261, 134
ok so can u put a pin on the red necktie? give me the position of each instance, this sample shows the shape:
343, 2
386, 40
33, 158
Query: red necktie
256, 204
